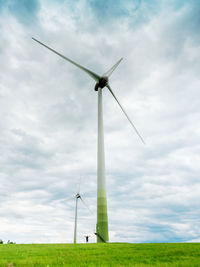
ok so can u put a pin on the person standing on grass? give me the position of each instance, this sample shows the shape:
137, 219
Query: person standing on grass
87, 238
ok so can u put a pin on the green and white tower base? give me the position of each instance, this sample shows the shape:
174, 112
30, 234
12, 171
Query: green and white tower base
102, 217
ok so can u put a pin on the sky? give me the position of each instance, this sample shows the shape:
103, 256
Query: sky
48, 119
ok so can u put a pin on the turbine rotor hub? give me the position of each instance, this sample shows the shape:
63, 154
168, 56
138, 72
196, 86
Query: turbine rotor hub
103, 81
78, 195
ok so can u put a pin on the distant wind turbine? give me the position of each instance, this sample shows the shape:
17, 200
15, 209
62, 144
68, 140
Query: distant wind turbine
77, 197
101, 82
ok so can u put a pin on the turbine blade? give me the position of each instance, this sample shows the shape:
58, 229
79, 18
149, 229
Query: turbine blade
79, 185
86, 205
110, 71
109, 88
95, 76
64, 200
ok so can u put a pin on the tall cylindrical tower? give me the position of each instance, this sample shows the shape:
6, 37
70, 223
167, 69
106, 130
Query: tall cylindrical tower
102, 217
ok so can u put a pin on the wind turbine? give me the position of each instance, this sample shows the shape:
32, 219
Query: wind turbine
76, 197
101, 82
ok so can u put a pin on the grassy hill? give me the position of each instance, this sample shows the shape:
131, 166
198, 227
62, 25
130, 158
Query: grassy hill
113, 254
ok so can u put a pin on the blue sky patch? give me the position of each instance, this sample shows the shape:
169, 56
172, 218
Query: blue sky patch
24, 10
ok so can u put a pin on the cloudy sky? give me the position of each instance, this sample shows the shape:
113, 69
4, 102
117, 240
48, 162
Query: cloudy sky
48, 119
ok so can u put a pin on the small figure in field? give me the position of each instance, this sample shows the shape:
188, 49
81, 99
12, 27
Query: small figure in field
87, 238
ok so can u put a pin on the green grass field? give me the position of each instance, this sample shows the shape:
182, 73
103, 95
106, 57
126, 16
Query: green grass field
113, 254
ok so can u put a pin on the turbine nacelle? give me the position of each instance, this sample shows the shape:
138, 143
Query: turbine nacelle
103, 81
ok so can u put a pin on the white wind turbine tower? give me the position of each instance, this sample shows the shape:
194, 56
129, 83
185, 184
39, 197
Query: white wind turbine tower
101, 82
